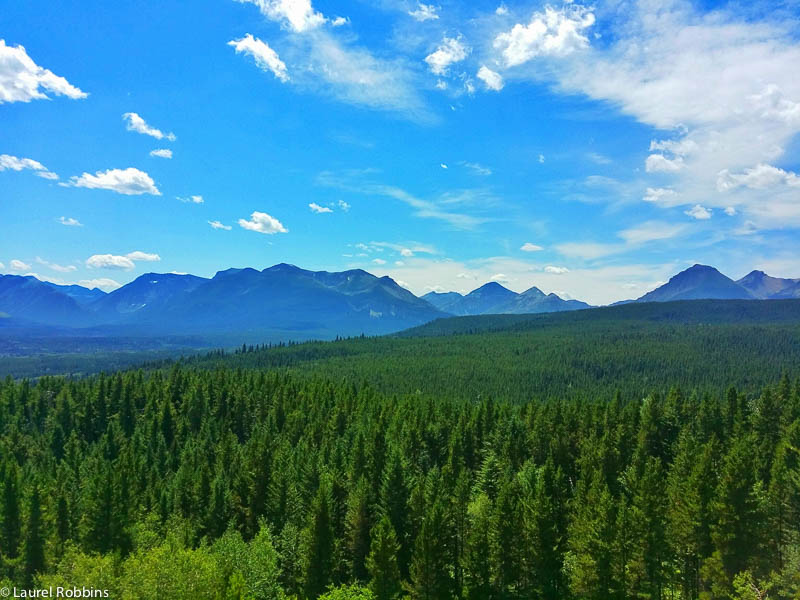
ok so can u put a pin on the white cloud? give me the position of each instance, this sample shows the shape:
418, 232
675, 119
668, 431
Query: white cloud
598, 158
589, 250
316, 208
555, 32
161, 153
56, 267
139, 125
379, 261
478, 168
530, 247
428, 209
492, 79
501, 10
450, 51
296, 15
128, 181
442, 165
18, 265
541, 158
70, 222
2, 266
195, 199
340, 21
499, 278
701, 213
658, 163
218, 225
138, 255
344, 206
759, 177
424, 12
556, 270
22, 80
650, 231
19, 164
266, 58
723, 82
104, 283
262, 223
730, 211
406, 252
658, 195
110, 261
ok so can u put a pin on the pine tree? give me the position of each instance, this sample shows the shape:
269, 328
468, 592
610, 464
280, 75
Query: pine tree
358, 528
382, 561
318, 545
10, 523
34, 542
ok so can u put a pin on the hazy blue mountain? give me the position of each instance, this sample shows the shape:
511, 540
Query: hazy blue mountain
151, 291
493, 298
287, 298
699, 282
535, 300
80, 294
28, 299
443, 300
484, 300
763, 286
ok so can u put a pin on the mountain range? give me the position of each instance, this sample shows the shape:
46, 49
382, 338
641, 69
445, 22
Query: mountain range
287, 302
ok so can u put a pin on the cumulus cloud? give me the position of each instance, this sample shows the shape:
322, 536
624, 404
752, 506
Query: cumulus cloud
530, 247
424, 12
22, 80
556, 270
8, 162
161, 153
262, 223
759, 177
344, 206
450, 51
56, 267
137, 124
658, 163
658, 195
378, 261
701, 213
218, 225
104, 283
492, 79
266, 58
18, 265
130, 182
70, 222
138, 255
730, 211
196, 199
295, 15
110, 261
316, 208
340, 21
554, 32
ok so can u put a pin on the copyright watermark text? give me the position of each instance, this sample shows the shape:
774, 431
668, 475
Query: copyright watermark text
53, 592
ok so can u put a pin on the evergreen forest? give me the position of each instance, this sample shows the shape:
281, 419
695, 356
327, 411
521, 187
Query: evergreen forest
333, 471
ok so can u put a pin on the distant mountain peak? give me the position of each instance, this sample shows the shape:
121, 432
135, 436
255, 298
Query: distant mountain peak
698, 282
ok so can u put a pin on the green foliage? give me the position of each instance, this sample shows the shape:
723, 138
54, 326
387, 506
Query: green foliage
270, 484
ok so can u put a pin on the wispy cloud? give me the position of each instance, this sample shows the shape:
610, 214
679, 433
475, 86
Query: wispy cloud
137, 124
8, 162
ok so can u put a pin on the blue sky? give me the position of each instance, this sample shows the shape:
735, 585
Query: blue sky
592, 150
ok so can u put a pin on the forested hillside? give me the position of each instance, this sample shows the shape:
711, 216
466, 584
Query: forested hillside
231, 483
